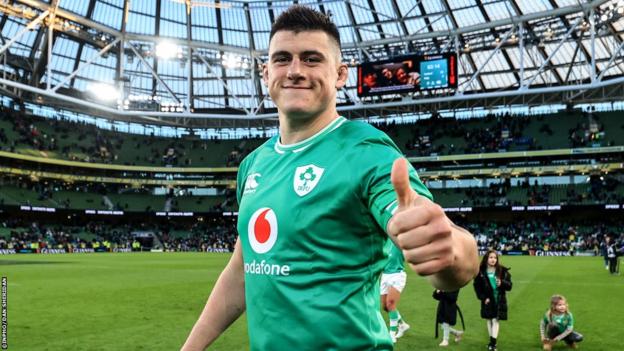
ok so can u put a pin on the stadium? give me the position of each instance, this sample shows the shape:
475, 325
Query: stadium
125, 126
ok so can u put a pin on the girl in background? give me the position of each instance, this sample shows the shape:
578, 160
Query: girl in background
491, 286
447, 315
558, 324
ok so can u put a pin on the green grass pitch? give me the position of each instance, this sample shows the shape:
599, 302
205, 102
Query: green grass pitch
150, 301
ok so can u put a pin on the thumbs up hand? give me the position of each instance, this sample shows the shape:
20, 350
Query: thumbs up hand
420, 227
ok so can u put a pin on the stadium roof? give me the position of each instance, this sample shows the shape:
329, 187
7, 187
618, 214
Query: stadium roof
72, 54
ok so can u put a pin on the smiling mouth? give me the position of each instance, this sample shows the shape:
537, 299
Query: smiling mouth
297, 88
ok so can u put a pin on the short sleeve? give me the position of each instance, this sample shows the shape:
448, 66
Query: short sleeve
378, 191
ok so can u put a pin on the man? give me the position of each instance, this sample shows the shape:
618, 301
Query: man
612, 254
393, 279
387, 76
316, 206
370, 79
403, 77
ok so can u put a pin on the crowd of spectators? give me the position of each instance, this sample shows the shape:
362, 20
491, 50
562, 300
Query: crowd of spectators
35, 235
588, 133
545, 235
493, 134
212, 234
599, 189
58, 192
219, 234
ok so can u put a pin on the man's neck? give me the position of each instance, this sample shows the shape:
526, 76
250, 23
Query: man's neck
294, 130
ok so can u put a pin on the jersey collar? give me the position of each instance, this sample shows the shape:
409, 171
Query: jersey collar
304, 144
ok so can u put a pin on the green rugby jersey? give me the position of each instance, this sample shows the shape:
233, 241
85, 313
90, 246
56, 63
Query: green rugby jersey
493, 284
396, 261
563, 321
312, 219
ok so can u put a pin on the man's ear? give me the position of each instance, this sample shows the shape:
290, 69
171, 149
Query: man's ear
265, 74
343, 74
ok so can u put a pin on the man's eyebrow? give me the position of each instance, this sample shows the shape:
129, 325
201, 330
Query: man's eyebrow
312, 52
281, 53
304, 53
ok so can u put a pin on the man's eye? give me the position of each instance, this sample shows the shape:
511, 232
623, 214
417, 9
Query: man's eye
281, 59
312, 60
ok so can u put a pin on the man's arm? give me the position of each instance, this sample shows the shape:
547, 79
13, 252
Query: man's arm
431, 243
225, 304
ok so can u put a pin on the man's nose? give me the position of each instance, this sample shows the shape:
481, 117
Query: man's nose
294, 70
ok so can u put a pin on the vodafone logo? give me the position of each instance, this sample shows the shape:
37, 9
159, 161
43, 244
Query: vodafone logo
262, 230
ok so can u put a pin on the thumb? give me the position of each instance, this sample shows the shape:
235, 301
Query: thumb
401, 183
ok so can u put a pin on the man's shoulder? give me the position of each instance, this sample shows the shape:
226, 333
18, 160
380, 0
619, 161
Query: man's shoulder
361, 129
360, 133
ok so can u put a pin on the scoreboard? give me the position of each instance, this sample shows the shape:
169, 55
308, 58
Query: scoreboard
407, 74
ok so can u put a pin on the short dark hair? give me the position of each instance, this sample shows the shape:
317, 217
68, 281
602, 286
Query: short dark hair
298, 18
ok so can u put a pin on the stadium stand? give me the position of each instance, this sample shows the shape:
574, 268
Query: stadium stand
431, 137
73, 141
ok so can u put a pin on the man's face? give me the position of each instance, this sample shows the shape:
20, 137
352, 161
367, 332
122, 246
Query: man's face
387, 73
370, 79
401, 75
303, 73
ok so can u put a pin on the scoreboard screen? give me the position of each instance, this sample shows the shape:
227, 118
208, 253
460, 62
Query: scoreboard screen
407, 74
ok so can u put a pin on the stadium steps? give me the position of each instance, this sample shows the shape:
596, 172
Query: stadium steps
109, 204
137, 202
157, 243
196, 203
79, 200
20, 196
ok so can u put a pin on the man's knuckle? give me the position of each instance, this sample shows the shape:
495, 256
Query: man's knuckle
402, 240
442, 228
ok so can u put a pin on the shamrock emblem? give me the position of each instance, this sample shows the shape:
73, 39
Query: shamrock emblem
308, 175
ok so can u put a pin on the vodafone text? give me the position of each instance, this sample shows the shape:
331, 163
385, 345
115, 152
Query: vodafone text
264, 268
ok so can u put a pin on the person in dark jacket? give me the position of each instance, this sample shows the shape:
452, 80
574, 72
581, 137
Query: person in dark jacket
491, 286
447, 315
612, 255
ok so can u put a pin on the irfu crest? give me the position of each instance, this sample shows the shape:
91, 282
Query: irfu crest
306, 178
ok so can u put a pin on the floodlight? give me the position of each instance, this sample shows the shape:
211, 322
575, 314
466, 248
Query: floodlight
103, 91
166, 50
230, 61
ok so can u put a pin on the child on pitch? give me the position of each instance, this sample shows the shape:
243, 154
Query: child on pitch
558, 324
393, 280
491, 286
447, 315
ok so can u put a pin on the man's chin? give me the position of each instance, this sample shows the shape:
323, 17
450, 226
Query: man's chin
298, 112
